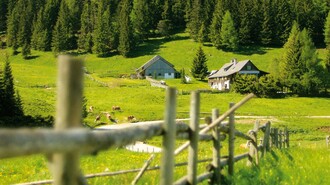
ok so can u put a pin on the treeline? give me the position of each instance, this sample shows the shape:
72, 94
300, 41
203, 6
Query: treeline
104, 26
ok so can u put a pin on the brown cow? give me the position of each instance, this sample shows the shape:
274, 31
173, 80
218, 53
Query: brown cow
115, 108
91, 109
130, 118
97, 118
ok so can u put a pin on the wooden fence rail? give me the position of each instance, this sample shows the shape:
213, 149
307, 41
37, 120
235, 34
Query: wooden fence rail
67, 141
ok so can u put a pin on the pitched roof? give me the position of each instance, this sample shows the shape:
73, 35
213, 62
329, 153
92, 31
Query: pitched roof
229, 69
153, 60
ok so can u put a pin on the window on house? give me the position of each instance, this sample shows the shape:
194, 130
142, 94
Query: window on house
248, 67
149, 74
159, 74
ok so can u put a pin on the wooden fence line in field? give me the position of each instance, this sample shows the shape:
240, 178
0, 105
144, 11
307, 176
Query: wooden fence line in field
66, 142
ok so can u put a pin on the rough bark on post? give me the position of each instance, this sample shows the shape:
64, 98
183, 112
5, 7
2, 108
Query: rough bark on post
276, 137
280, 139
287, 137
253, 153
216, 150
231, 140
167, 165
193, 138
65, 166
266, 139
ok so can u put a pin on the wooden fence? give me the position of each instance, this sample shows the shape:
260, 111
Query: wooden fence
64, 144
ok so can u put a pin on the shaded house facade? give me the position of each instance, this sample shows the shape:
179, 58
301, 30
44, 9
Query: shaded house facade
221, 79
157, 67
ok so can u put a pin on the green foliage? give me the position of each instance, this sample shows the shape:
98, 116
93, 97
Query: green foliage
195, 19
228, 33
282, 20
216, 24
105, 39
126, 35
84, 112
142, 17
269, 87
202, 34
199, 67
267, 28
245, 84
327, 31
164, 27
85, 40
183, 76
64, 38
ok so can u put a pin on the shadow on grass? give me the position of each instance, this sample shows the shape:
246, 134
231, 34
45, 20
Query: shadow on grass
31, 57
152, 46
250, 50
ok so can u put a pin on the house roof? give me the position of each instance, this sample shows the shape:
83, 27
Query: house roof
230, 68
152, 61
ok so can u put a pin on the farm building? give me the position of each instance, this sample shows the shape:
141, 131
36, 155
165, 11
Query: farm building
222, 78
157, 67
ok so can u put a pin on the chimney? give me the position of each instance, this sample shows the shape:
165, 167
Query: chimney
234, 61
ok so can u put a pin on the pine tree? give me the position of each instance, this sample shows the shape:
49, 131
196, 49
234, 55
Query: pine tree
12, 29
327, 31
25, 26
310, 66
9, 92
103, 33
228, 34
202, 34
246, 22
18, 105
282, 19
63, 34
125, 29
216, 24
290, 66
199, 67
142, 18
85, 40
164, 26
267, 24
178, 10
195, 19
3, 15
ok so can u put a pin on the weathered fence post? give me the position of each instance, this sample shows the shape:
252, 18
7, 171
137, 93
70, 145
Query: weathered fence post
65, 166
280, 139
287, 137
231, 141
193, 138
168, 138
216, 150
266, 139
276, 137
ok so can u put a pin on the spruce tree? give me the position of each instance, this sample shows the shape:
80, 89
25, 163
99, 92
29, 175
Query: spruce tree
282, 19
202, 34
195, 19
125, 29
178, 18
103, 32
142, 18
289, 65
18, 105
216, 24
63, 34
164, 26
3, 14
310, 66
9, 92
246, 22
267, 23
228, 34
327, 31
199, 67
12, 29
85, 40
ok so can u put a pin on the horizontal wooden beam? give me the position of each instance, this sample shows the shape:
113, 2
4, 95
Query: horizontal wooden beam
21, 142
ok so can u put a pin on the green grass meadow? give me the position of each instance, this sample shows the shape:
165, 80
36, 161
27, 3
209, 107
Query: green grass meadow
306, 162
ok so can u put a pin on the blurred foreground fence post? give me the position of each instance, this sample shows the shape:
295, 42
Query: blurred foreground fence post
65, 166
167, 165
216, 150
231, 141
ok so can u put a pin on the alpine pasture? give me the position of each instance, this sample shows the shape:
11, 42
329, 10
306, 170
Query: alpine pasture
306, 162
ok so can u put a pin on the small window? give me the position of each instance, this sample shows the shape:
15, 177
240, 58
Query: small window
248, 67
169, 74
149, 74
159, 74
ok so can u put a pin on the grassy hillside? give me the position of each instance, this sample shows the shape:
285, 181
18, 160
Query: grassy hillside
36, 81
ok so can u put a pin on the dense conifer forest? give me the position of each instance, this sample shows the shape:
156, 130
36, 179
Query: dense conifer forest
105, 26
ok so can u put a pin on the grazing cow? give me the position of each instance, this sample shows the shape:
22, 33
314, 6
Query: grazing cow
327, 139
245, 145
97, 118
115, 108
91, 109
130, 118
108, 116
